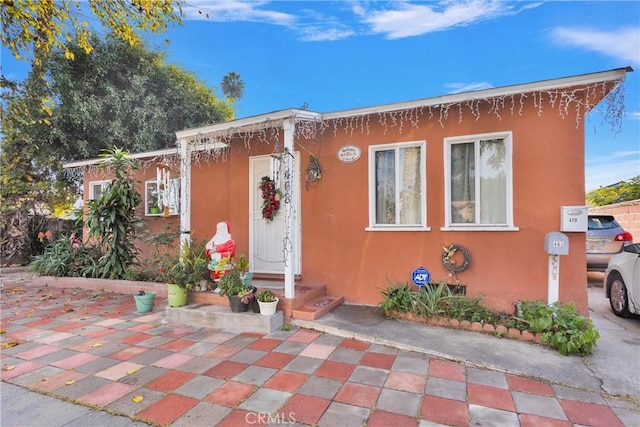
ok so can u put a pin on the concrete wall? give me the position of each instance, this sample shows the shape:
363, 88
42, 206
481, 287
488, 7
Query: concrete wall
626, 213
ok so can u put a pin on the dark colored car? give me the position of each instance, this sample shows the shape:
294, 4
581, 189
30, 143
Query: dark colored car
605, 238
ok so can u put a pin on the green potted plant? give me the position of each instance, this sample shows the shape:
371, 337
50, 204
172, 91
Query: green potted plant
242, 265
185, 273
268, 302
233, 287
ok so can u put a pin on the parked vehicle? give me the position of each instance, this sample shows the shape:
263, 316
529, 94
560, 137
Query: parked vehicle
605, 238
622, 281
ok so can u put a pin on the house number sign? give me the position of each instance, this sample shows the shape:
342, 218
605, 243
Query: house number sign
349, 153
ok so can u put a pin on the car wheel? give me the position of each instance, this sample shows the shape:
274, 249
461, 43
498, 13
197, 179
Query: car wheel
618, 297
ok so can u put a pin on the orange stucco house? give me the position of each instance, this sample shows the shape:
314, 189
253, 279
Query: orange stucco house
371, 194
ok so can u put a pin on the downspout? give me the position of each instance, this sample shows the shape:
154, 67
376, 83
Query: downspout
289, 209
184, 155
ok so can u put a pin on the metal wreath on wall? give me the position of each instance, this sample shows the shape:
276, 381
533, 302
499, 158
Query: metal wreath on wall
448, 258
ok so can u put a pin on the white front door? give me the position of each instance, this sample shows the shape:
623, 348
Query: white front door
267, 238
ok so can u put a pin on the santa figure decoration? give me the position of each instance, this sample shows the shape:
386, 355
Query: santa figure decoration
220, 246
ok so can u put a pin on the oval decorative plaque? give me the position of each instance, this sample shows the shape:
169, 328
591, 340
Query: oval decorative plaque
349, 153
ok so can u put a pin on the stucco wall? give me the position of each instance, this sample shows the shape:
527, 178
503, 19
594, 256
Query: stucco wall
626, 213
340, 252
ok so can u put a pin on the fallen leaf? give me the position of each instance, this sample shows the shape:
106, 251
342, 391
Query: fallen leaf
137, 399
131, 371
2, 331
8, 367
95, 345
70, 382
69, 310
44, 379
9, 344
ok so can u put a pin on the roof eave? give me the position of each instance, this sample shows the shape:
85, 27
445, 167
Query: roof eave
544, 85
247, 122
95, 161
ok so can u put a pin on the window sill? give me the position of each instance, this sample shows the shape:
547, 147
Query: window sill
383, 228
480, 228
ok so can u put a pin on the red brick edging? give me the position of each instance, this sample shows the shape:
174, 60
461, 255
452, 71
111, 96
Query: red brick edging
486, 328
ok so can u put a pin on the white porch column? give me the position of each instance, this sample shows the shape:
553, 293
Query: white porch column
184, 155
289, 209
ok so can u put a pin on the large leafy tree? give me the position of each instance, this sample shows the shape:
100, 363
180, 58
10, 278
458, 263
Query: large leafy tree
125, 96
119, 95
621, 192
34, 28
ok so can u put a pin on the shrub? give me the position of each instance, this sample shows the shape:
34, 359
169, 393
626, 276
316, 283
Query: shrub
561, 326
61, 259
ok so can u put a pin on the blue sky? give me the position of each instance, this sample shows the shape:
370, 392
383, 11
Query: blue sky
349, 54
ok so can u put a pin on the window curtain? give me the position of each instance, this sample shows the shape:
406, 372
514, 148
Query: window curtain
410, 193
493, 182
463, 187
385, 187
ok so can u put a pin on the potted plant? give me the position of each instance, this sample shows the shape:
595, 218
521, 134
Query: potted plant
233, 287
243, 266
144, 301
268, 302
185, 273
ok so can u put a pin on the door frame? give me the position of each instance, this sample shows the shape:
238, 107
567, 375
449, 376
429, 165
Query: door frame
296, 250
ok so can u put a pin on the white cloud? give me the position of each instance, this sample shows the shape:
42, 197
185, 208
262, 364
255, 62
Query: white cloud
316, 33
404, 19
634, 115
623, 44
232, 10
467, 87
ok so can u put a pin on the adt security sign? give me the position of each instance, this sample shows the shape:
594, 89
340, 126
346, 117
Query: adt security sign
420, 276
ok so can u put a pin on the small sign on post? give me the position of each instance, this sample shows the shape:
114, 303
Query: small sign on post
420, 276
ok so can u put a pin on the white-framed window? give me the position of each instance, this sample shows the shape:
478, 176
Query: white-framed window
154, 202
397, 186
96, 188
478, 182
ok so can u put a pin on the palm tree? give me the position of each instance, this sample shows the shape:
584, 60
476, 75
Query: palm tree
232, 87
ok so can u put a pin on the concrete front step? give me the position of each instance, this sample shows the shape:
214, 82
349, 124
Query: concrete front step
221, 317
317, 307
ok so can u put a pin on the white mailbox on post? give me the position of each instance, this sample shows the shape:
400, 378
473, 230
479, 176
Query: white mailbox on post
574, 218
555, 244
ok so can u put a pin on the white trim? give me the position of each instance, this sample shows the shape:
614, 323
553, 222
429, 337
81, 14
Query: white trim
248, 122
372, 149
447, 143
289, 128
103, 184
480, 228
543, 85
185, 193
95, 161
399, 228
173, 212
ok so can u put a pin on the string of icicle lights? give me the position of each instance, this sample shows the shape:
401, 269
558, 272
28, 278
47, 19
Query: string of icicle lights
567, 103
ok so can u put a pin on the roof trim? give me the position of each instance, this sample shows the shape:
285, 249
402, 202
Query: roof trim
239, 124
543, 85
89, 162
